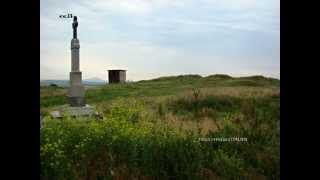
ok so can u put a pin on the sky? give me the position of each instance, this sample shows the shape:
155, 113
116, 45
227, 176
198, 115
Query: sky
153, 38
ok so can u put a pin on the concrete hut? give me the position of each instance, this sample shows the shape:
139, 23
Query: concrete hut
117, 76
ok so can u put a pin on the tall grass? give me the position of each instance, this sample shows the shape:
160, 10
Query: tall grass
71, 148
132, 142
151, 130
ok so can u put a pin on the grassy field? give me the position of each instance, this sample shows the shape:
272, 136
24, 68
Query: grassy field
164, 129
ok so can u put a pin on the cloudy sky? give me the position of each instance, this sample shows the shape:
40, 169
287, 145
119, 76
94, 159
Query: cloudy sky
152, 38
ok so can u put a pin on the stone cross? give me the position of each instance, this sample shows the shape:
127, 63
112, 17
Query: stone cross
76, 92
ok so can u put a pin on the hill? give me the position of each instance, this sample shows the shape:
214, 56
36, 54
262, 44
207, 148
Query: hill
218, 80
163, 86
176, 127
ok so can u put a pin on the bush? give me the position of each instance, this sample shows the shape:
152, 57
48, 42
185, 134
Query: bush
70, 148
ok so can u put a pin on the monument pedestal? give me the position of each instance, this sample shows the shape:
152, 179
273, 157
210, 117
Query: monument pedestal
77, 101
76, 91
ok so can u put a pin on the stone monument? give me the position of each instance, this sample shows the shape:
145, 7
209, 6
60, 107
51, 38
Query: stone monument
76, 91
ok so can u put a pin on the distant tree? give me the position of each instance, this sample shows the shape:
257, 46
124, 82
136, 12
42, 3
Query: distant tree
53, 85
53, 88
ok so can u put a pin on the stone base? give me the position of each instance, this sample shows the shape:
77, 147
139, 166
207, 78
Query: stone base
77, 101
67, 110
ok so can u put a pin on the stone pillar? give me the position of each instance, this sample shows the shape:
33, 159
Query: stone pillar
75, 46
76, 92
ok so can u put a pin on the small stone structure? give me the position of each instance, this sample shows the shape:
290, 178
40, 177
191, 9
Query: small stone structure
67, 110
117, 76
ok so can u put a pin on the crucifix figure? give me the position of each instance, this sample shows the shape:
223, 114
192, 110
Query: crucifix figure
74, 26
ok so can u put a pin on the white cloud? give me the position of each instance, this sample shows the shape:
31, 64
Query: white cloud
135, 6
144, 61
148, 37
147, 6
232, 4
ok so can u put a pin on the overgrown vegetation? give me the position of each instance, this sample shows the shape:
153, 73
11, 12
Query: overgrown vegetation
155, 130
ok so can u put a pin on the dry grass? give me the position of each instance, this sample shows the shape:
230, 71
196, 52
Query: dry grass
243, 92
205, 125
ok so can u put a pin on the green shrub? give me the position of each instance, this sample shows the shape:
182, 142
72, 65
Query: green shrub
69, 147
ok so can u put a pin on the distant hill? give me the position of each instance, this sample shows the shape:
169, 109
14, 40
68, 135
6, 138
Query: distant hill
62, 83
217, 79
95, 80
65, 83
